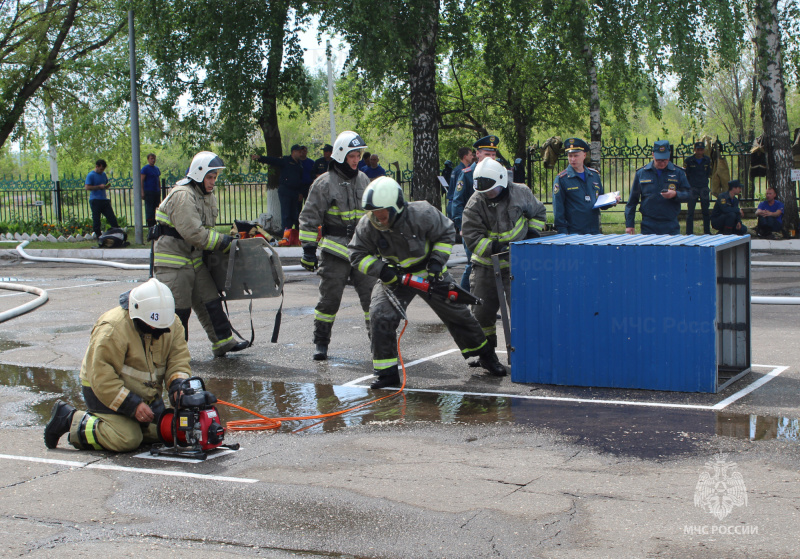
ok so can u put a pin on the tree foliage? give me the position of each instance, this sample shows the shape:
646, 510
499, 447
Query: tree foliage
37, 41
220, 67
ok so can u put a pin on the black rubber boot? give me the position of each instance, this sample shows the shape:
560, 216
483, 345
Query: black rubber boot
320, 352
386, 378
240, 346
60, 422
491, 363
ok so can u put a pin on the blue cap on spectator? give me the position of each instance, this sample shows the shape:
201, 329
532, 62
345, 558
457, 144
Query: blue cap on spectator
661, 149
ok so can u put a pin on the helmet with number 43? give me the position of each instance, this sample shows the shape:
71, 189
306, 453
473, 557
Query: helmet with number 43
153, 304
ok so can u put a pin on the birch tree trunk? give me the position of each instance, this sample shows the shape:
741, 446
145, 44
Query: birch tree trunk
777, 143
268, 121
424, 111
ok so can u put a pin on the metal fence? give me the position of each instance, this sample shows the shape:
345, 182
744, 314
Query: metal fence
620, 162
41, 199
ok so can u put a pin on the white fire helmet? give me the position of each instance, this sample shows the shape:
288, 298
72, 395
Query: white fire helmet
346, 142
489, 174
201, 164
383, 194
152, 303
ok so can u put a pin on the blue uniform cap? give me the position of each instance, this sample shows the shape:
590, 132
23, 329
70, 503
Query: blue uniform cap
734, 184
487, 142
699, 145
575, 144
661, 149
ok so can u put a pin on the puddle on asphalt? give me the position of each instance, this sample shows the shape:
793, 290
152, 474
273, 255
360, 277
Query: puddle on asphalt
623, 430
298, 311
5, 345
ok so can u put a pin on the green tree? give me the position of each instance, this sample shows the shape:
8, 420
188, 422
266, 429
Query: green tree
219, 67
39, 40
393, 48
770, 73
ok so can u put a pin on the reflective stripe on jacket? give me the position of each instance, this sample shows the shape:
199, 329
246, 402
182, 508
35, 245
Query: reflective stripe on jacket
333, 202
506, 219
193, 215
419, 234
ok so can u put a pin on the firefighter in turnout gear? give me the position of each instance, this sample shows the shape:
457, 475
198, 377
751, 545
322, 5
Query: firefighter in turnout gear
135, 351
334, 202
698, 172
397, 238
185, 229
502, 213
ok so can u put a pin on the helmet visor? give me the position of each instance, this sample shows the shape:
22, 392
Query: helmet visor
482, 184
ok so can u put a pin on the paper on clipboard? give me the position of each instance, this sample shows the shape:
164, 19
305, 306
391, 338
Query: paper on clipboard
443, 181
606, 200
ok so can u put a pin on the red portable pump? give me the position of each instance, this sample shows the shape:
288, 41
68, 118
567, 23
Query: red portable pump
193, 427
446, 291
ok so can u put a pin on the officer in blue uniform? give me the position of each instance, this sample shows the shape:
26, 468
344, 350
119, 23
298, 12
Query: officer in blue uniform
485, 147
727, 216
575, 192
698, 171
661, 187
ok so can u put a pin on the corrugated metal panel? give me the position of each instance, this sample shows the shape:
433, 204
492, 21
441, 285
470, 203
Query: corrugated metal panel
627, 311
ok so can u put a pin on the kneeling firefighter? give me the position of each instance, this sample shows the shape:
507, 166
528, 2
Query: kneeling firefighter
334, 203
184, 230
135, 350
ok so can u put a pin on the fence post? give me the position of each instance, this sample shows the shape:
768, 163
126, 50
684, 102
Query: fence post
59, 210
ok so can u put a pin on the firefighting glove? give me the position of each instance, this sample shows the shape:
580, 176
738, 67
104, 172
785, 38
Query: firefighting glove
225, 243
175, 388
532, 233
434, 270
498, 247
309, 260
389, 275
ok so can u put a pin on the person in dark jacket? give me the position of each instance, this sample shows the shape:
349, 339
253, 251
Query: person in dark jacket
661, 187
698, 172
727, 215
290, 192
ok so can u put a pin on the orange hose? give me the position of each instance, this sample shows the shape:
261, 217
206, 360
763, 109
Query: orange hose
264, 423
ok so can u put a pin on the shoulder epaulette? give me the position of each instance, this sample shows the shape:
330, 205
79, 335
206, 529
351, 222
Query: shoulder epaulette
562, 173
593, 170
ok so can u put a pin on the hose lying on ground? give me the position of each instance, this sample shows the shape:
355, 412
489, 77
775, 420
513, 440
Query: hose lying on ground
29, 306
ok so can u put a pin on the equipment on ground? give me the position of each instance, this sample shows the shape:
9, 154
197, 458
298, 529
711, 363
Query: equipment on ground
193, 426
115, 237
446, 291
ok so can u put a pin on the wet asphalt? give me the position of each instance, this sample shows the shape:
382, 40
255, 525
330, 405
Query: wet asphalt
459, 465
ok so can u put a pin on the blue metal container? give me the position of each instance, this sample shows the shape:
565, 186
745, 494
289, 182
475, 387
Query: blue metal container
657, 312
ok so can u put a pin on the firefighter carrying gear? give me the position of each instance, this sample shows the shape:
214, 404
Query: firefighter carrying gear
127, 364
186, 219
334, 203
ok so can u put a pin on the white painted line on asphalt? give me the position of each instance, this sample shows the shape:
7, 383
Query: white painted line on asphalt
169, 473
68, 287
44, 460
776, 370
149, 471
417, 362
